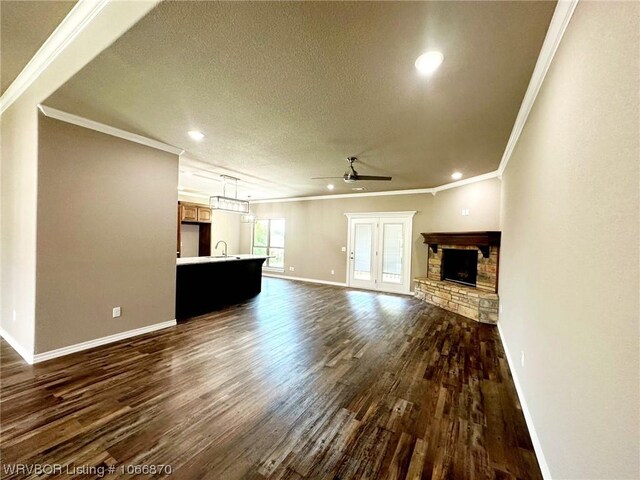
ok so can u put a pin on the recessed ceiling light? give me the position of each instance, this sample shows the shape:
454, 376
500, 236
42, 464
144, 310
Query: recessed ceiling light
331, 186
456, 175
196, 135
427, 63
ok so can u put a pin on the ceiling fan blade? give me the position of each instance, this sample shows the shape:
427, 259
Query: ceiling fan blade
324, 178
373, 177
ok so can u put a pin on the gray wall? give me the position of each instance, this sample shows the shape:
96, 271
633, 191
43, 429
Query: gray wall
569, 261
106, 235
317, 229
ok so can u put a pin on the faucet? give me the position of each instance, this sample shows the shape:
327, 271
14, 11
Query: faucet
225, 247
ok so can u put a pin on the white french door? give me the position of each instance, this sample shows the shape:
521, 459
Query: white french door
380, 251
362, 253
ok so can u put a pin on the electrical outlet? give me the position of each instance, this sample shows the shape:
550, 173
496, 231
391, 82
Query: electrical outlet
292, 269
522, 358
344, 249
15, 316
117, 312
333, 272
465, 212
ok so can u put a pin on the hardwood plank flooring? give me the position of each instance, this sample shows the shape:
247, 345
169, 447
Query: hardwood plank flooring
303, 381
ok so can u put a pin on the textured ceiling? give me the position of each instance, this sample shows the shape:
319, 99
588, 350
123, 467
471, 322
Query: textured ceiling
24, 27
285, 91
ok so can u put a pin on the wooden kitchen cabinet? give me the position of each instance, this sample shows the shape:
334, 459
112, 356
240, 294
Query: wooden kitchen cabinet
204, 215
192, 213
189, 213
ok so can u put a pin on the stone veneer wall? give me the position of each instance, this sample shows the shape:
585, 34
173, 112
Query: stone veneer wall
479, 303
469, 302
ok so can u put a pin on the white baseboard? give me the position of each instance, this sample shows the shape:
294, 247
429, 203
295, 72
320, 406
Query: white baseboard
59, 352
327, 282
537, 446
22, 351
301, 279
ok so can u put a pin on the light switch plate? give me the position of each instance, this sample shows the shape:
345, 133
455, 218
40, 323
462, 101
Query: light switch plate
116, 312
344, 249
465, 212
333, 272
292, 269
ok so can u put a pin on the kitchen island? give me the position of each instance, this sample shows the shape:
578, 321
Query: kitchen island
205, 284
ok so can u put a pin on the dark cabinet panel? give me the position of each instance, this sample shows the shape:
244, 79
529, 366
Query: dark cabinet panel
205, 287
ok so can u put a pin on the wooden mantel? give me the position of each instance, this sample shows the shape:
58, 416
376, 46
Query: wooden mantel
482, 240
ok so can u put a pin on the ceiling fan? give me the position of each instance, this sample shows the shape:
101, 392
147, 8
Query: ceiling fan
351, 175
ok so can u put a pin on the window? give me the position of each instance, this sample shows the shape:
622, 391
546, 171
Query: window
268, 239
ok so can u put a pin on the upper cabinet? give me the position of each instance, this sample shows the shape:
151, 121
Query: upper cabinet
199, 215
204, 215
188, 213
193, 213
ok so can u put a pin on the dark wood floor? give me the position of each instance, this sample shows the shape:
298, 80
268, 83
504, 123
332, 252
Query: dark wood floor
304, 381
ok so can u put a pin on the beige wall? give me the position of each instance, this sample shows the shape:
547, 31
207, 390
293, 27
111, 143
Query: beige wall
569, 263
482, 199
225, 226
19, 165
317, 229
106, 235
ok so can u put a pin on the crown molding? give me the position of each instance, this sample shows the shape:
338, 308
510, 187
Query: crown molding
77, 19
344, 195
465, 181
561, 17
417, 191
109, 130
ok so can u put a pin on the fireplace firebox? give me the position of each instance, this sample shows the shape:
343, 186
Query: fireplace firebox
460, 266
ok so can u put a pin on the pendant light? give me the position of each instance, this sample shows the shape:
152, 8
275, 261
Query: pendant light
229, 204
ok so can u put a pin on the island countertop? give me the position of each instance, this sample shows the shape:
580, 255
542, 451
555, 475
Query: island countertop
228, 258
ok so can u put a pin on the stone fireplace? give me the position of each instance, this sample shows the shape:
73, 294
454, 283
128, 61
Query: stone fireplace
462, 274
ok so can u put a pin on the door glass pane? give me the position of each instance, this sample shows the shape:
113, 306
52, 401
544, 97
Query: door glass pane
276, 235
362, 252
392, 243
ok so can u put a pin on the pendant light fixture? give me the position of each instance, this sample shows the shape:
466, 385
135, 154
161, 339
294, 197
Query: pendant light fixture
229, 204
